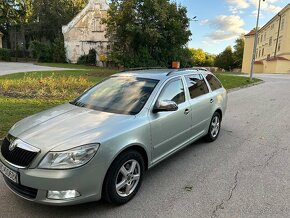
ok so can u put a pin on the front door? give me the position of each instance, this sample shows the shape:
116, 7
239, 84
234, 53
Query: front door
169, 130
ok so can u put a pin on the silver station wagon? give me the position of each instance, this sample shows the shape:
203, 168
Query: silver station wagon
100, 144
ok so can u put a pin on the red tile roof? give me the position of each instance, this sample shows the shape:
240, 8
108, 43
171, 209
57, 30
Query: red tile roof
259, 62
278, 58
251, 33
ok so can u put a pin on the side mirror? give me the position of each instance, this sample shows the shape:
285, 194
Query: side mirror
165, 105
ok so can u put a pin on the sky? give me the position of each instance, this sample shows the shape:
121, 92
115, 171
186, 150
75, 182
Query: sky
221, 22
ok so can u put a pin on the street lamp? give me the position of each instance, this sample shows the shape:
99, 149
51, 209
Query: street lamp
255, 43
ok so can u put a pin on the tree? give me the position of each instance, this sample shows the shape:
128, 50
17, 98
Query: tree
201, 58
48, 17
209, 60
225, 59
198, 57
147, 32
239, 52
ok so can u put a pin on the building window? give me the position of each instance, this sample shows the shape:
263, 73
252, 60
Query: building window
283, 23
96, 25
270, 41
259, 53
265, 36
263, 52
272, 26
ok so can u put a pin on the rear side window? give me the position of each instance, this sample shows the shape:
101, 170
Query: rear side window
214, 83
196, 85
173, 91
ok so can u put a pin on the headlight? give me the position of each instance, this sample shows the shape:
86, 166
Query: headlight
69, 159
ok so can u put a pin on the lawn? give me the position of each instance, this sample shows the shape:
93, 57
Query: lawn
23, 94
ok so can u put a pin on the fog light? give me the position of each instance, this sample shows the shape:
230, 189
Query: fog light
62, 195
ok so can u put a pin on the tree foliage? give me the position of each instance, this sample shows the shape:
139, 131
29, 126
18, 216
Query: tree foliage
239, 52
43, 19
201, 58
230, 59
225, 59
148, 32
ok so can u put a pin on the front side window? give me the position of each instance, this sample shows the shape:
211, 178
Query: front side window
196, 85
214, 83
123, 95
173, 91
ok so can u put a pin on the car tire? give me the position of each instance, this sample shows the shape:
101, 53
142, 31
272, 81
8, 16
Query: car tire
124, 178
214, 128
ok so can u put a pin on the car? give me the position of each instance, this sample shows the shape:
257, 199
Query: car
100, 144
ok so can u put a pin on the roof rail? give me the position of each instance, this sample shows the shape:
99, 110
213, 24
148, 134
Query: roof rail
179, 70
142, 68
200, 68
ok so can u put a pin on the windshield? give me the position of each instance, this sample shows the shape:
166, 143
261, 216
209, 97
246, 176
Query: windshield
124, 95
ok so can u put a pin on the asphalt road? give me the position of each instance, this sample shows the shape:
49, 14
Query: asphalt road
245, 173
16, 67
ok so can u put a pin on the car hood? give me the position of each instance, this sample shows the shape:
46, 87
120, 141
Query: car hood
67, 126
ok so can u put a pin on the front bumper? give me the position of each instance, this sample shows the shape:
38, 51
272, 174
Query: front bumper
35, 183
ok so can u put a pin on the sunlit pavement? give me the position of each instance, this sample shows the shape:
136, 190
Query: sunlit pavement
16, 67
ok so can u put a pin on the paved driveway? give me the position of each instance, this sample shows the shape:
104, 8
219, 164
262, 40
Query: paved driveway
15, 67
245, 173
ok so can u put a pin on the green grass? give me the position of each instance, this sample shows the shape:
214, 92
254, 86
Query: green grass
15, 109
230, 82
73, 66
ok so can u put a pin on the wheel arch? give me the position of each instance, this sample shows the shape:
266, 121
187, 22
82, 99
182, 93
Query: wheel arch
219, 111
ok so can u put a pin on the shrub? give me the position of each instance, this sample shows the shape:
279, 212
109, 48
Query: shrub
58, 50
89, 59
40, 51
5, 54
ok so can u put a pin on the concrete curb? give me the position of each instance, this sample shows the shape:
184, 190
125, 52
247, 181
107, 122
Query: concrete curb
246, 86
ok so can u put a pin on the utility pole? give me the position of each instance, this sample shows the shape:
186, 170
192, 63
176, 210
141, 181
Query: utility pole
255, 43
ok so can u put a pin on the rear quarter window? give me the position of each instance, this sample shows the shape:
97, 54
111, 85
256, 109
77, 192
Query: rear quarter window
214, 83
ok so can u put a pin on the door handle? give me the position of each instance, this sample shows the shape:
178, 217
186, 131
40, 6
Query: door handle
211, 101
186, 111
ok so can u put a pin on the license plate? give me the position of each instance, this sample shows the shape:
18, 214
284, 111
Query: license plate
10, 174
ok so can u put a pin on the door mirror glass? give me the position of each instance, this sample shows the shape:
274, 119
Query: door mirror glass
165, 105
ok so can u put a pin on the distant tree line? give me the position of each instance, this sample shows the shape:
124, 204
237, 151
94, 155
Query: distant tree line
229, 59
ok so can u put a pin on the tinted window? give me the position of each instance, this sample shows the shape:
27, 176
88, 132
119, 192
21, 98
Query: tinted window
173, 91
213, 82
196, 85
125, 95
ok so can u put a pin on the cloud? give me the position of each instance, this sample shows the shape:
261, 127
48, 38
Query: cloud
239, 4
235, 6
204, 22
267, 6
226, 27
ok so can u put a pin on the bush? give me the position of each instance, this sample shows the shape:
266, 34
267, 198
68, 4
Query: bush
5, 54
40, 51
89, 59
58, 50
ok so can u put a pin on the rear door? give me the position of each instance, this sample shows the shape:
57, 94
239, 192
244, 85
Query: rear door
201, 104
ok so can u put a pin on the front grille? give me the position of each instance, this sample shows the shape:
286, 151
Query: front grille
17, 156
22, 190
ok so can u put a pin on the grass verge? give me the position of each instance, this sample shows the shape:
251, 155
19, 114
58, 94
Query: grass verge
14, 109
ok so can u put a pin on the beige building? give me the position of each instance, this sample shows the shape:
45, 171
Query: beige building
273, 48
86, 32
1, 43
